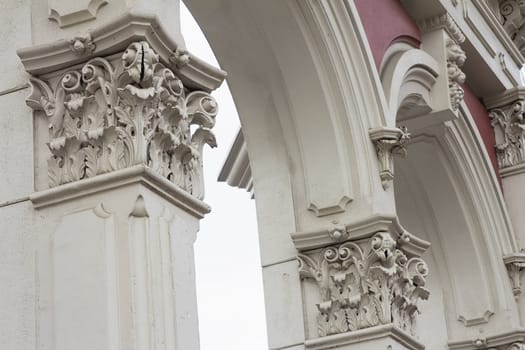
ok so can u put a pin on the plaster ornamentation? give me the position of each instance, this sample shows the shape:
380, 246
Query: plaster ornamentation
106, 116
455, 59
389, 142
180, 58
515, 263
360, 290
512, 17
82, 45
442, 21
509, 129
481, 343
67, 13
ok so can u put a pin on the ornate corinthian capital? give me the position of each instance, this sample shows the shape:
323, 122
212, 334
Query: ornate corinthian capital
361, 288
507, 119
110, 114
511, 14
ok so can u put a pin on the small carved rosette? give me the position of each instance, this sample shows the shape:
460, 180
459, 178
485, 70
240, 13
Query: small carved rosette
107, 116
360, 290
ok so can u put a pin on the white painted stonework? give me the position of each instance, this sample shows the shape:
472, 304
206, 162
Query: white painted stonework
382, 222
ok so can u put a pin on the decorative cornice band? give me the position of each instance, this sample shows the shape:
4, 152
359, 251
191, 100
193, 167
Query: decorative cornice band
442, 21
388, 331
115, 37
361, 229
136, 174
512, 340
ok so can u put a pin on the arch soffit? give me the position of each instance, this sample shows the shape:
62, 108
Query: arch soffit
461, 232
312, 63
408, 75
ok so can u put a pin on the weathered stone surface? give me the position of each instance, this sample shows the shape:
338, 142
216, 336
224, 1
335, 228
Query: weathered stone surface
16, 147
17, 277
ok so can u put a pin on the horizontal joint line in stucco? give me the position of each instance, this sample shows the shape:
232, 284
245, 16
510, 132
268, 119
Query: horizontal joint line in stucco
14, 89
14, 201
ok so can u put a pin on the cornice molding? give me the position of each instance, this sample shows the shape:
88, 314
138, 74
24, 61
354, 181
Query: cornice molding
512, 340
114, 37
388, 331
363, 229
138, 174
442, 21
236, 170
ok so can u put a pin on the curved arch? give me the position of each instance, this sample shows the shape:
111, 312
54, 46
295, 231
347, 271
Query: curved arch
446, 192
408, 75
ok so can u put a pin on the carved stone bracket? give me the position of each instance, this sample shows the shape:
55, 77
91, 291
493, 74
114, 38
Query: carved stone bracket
109, 115
515, 263
509, 128
389, 142
361, 288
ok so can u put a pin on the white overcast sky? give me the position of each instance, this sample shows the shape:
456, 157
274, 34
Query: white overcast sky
229, 278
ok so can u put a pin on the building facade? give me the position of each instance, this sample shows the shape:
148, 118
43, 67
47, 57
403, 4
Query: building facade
383, 141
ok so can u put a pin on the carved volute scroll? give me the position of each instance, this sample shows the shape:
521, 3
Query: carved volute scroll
509, 129
389, 142
511, 14
113, 114
361, 288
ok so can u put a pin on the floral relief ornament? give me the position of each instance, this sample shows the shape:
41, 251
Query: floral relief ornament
82, 44
104, 117
360, 290
455, 60
509, 129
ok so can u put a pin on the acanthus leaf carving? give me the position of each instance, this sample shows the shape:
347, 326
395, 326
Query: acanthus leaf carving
107, 116
361, 289
455, 60
389, 142
509, 129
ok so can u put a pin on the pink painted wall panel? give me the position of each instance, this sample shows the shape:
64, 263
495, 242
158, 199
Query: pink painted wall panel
481, 118
384, 22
